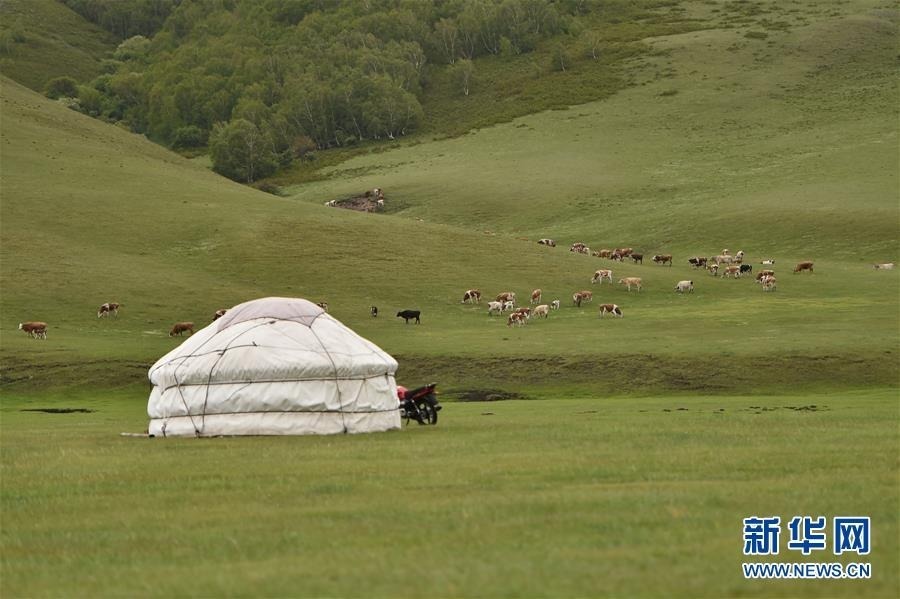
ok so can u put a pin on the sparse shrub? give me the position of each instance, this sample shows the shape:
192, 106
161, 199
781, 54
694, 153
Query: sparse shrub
190, 136
61, 87
559, 58
269, 188
134, 48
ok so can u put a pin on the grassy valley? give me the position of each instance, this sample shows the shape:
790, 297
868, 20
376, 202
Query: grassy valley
631, 448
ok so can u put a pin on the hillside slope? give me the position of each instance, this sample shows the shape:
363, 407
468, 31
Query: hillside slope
54, 41
781, 138
91, 214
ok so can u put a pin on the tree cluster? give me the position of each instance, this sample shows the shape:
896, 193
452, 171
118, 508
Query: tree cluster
258, 80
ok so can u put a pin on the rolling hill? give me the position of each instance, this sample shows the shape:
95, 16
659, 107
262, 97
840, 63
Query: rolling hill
785, 148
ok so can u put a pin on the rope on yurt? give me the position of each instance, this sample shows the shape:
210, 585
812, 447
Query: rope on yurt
336, 379
221, 353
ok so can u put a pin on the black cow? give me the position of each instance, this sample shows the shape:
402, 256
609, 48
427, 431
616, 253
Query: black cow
408, 314
374, 311
746, 268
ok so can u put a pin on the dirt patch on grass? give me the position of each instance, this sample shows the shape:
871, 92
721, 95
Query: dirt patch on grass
484, 395
59, 410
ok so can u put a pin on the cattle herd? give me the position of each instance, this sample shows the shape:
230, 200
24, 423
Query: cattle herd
724, 265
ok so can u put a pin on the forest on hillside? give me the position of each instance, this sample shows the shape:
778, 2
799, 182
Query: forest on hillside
262, 83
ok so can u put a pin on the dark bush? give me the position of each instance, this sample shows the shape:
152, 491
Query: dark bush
61, 87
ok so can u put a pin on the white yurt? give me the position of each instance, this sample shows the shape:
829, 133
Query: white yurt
273, 366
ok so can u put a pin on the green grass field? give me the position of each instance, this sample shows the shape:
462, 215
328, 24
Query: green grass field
638, 497
645, 441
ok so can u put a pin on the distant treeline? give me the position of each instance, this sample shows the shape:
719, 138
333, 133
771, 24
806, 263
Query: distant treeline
265, 81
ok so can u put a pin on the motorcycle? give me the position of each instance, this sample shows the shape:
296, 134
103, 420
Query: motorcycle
419, 404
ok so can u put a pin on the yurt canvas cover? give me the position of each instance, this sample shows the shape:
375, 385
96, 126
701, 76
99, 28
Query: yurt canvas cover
273, 366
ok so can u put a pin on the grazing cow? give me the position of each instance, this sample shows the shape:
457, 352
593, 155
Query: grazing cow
577, 298
885, 266
616, 256
637, 258
554, 305
604, 253
683, 286
768, 262
541, 311
732, 271
697, 261
35, 329
596, 254
109, 308
613, 309
471, 296
495, 307
745, 268
408, 315
526, 312
630, 282
374, 311
510, 305
180, 327
516, 318
768, 283
739, 257
506, 296
602, 274
219, 314
576, 247
585, 250
586, 296
713, 269
536, 296
764, 273
801, 266
624, 252
323, 305
548, 242
662, 259
723, 259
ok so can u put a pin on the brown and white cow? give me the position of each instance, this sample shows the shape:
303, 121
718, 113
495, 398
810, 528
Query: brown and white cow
630, 282
35, 329
801, 266
516, 318
180, 327
662, 259
108, 308
624, 252
602, 274
604, 253
586, 296
506, 296
577, 247
547, 242
733, 271
536, 296
697, 261
219, 314
713, 269
613, 309
768, 283
764, 273
472, 296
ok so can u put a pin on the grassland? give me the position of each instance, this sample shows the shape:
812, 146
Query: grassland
44, 39
784, 145
636, 497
